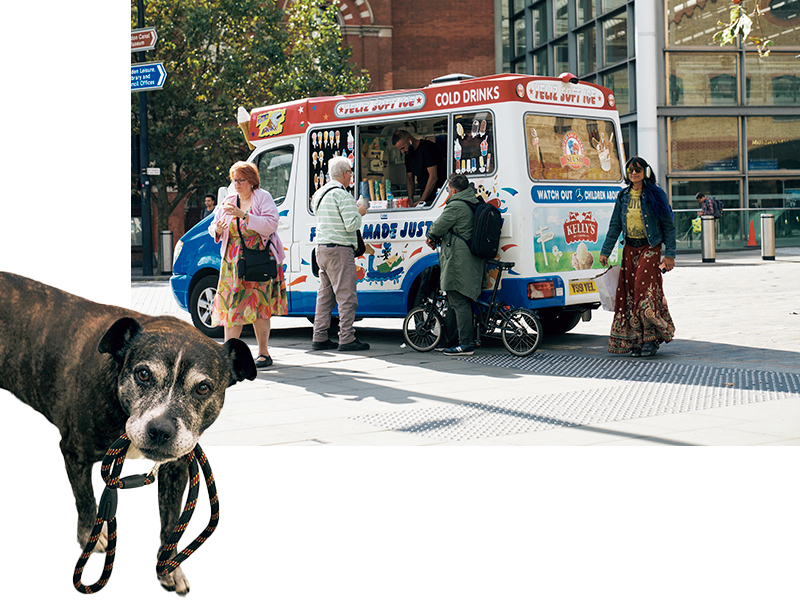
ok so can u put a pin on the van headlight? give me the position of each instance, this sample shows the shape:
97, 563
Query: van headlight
177, 251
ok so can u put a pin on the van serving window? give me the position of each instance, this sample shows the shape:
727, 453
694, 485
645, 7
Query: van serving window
323, 145
473, 144
571, 148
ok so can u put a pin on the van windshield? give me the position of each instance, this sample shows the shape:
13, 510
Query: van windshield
571, 148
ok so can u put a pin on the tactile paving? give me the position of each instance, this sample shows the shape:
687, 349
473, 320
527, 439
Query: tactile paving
647, 389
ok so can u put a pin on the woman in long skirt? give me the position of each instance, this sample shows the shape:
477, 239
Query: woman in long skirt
642, 214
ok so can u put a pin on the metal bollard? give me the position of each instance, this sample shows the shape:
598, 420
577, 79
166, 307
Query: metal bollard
767, 236
708, 243
165, 252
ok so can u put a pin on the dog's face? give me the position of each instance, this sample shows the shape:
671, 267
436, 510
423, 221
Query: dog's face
171, 381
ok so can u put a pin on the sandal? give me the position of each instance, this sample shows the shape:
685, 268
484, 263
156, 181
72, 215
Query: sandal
263, 360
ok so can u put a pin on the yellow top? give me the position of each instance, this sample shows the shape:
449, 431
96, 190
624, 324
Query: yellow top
635, 222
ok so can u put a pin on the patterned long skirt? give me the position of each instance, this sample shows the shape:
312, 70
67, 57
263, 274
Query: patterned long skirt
240, 302
641, 313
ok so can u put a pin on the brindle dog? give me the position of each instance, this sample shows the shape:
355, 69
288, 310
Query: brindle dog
96, 371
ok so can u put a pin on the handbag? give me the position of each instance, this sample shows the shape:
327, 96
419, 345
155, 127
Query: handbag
607, 283
255, 265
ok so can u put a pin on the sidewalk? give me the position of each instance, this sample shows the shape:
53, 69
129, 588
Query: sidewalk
731, 376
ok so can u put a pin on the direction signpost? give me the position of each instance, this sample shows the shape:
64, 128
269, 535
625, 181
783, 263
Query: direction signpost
143, 39
147, 76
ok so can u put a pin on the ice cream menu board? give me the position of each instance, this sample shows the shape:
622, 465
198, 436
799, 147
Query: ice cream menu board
324, 145
473, 144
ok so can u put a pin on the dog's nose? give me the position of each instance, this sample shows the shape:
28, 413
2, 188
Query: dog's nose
161, 431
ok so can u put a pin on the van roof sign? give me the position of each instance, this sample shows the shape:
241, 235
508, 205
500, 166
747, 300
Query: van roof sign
292, 118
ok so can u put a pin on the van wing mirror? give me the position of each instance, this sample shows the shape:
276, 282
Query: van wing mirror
222, 193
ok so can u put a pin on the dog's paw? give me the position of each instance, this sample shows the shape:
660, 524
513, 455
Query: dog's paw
175, 582
102, 540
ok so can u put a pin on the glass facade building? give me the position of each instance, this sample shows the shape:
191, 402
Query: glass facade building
723, 120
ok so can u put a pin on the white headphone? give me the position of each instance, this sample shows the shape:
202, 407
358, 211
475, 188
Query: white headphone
647, 172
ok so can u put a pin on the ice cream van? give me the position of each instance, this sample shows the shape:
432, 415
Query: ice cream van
546, 151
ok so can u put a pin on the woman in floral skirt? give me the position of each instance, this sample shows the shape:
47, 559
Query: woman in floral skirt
239, 302
642, 214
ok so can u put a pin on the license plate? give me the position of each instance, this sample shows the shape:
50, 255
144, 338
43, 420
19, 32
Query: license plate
583, 286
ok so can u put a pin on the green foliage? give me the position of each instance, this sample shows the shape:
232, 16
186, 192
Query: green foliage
741, 25
222, 54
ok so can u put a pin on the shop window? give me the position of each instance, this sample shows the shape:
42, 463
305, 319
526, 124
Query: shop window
615, 34
473, 144
692, 23
539, 18
586, 10
565, 148
771, 145
587, 50
519, 37
562, 56
617, 81
560, 7
274, 171
702, 79
703, 143
775, 80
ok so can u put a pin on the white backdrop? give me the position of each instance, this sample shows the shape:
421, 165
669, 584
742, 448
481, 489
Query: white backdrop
349, 523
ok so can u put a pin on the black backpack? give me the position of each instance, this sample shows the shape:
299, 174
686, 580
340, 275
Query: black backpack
487, 223
717, 204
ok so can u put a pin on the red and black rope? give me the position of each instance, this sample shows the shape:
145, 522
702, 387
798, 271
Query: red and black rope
106, 511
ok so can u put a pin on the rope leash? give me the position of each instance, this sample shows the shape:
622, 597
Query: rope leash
106, 513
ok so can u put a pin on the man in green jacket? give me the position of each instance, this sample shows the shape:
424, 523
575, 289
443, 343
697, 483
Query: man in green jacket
461, 271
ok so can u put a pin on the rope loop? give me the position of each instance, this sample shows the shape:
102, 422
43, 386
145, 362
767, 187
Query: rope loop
106, 513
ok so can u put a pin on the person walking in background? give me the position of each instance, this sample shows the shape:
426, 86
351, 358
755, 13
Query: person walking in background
642, 214
252, 211
461, 271
210, 204
338, 220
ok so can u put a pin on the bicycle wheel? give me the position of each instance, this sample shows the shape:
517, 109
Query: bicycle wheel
521, 331
422, 328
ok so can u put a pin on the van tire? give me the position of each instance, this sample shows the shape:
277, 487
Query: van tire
200, 302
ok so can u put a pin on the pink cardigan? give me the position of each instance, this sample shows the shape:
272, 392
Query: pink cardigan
263, 220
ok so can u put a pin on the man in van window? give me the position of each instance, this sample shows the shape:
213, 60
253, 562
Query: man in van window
338, 220
424, 162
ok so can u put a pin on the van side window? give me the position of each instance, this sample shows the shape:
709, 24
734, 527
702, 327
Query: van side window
473, 143
567, 148
274, 170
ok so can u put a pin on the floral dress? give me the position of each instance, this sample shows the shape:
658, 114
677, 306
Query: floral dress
240, 302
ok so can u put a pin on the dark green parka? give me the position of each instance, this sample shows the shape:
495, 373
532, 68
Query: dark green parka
461, 270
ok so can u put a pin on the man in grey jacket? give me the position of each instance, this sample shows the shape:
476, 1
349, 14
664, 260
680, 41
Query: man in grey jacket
461, 271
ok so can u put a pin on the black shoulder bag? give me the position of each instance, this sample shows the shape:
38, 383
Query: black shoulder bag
255, 265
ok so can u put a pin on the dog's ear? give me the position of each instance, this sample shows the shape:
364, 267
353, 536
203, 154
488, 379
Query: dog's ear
242, 364
116, 339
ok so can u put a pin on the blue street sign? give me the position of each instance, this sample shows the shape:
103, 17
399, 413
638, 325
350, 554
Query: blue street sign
147, 76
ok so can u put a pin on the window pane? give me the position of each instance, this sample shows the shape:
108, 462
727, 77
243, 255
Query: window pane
732, 228
519, 37
519, 5
473, 148
702, 79
540, 63
612, 4
773, 143
585, 10
615, 34
561, 17
692, 23
539, 16
704, 143
775, 193
562, 56
617, 81
275, 166
774, 80
564, 148
587, 51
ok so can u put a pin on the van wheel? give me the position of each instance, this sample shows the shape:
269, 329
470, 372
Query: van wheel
201, 300
560, 323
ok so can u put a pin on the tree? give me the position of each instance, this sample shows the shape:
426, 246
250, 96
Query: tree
222, 54
741, 24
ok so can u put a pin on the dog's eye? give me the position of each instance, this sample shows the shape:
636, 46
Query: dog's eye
202, 389
143, 375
